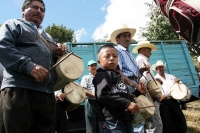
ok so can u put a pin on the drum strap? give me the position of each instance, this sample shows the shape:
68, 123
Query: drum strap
45, 41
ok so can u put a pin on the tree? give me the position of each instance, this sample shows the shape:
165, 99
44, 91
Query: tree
60, 33
158, 28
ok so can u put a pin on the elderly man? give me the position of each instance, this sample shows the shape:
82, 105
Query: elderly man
27, 102
144, 49
91, 105
127, 64
172, 117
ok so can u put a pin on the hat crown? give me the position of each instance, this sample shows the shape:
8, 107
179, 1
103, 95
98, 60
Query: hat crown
143, 42
124, 26
198, 58
91, 62
159, 63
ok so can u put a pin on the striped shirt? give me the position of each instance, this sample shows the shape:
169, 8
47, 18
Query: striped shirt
126, 62
141, 59
86, 82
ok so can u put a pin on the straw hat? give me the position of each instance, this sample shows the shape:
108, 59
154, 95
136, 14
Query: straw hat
198, 58
158, 63
142, 44
123, 29
132, 40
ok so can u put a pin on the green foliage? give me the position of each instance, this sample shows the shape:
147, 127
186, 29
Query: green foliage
158, 28
60, 33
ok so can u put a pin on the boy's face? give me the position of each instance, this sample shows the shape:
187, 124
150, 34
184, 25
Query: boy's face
108, 58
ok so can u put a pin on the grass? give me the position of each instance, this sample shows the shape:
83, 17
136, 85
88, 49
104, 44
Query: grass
192, 115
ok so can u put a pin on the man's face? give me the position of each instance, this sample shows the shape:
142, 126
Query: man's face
92, 68
124, 39
34, 13
160, 70
147, 52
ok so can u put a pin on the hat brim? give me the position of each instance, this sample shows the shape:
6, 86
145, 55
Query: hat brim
153, 67
148, 45
117, 32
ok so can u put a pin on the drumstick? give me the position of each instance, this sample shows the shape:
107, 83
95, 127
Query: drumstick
150, 74
68, 92
57, 46
52, 43
60, 61
146, 89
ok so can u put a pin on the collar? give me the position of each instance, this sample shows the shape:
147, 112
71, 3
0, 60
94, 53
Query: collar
121, 47
143, 56
91, 75
40, 29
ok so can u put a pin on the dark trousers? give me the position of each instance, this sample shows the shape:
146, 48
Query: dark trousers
61, 118
172, 117
26, 111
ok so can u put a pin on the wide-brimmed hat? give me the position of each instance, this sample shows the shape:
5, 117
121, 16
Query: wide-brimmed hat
198, 58
142, 44
158, 63
123, 29
132, 40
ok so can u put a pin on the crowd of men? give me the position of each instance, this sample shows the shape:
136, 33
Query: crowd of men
28, 103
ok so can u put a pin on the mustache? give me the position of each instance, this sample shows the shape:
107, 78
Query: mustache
38, 15
127, 41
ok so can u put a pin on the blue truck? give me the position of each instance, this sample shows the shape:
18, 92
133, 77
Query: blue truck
174, 52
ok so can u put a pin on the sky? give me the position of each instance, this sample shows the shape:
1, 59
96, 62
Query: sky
90, 19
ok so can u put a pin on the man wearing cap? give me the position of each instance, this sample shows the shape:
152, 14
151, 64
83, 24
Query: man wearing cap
172, 117
127, 64
144, 49
91, 105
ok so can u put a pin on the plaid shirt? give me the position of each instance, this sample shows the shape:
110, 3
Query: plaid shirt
86, 82
126, 62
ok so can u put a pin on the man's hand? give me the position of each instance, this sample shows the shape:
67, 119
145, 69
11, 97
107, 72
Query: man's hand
133, 108
160, 81
60, 49
61, 96
141, 87
176, 80
39, 73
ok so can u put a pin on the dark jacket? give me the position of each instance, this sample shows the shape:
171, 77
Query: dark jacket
112, 95
21, 49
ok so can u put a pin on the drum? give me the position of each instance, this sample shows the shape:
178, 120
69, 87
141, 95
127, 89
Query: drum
70, 69
75, 95
147, 109
154, 88
180, 91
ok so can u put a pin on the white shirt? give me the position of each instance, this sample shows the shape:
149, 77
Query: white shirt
167, 83
141, 59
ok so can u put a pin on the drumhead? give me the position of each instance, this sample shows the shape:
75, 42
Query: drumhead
142, 101
71, 68
75, 93
178, 91
154, 88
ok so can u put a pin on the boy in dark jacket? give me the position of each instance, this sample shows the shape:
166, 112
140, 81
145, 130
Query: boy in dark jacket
116, 106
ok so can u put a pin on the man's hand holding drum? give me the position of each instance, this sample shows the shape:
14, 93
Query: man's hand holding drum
39, 72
